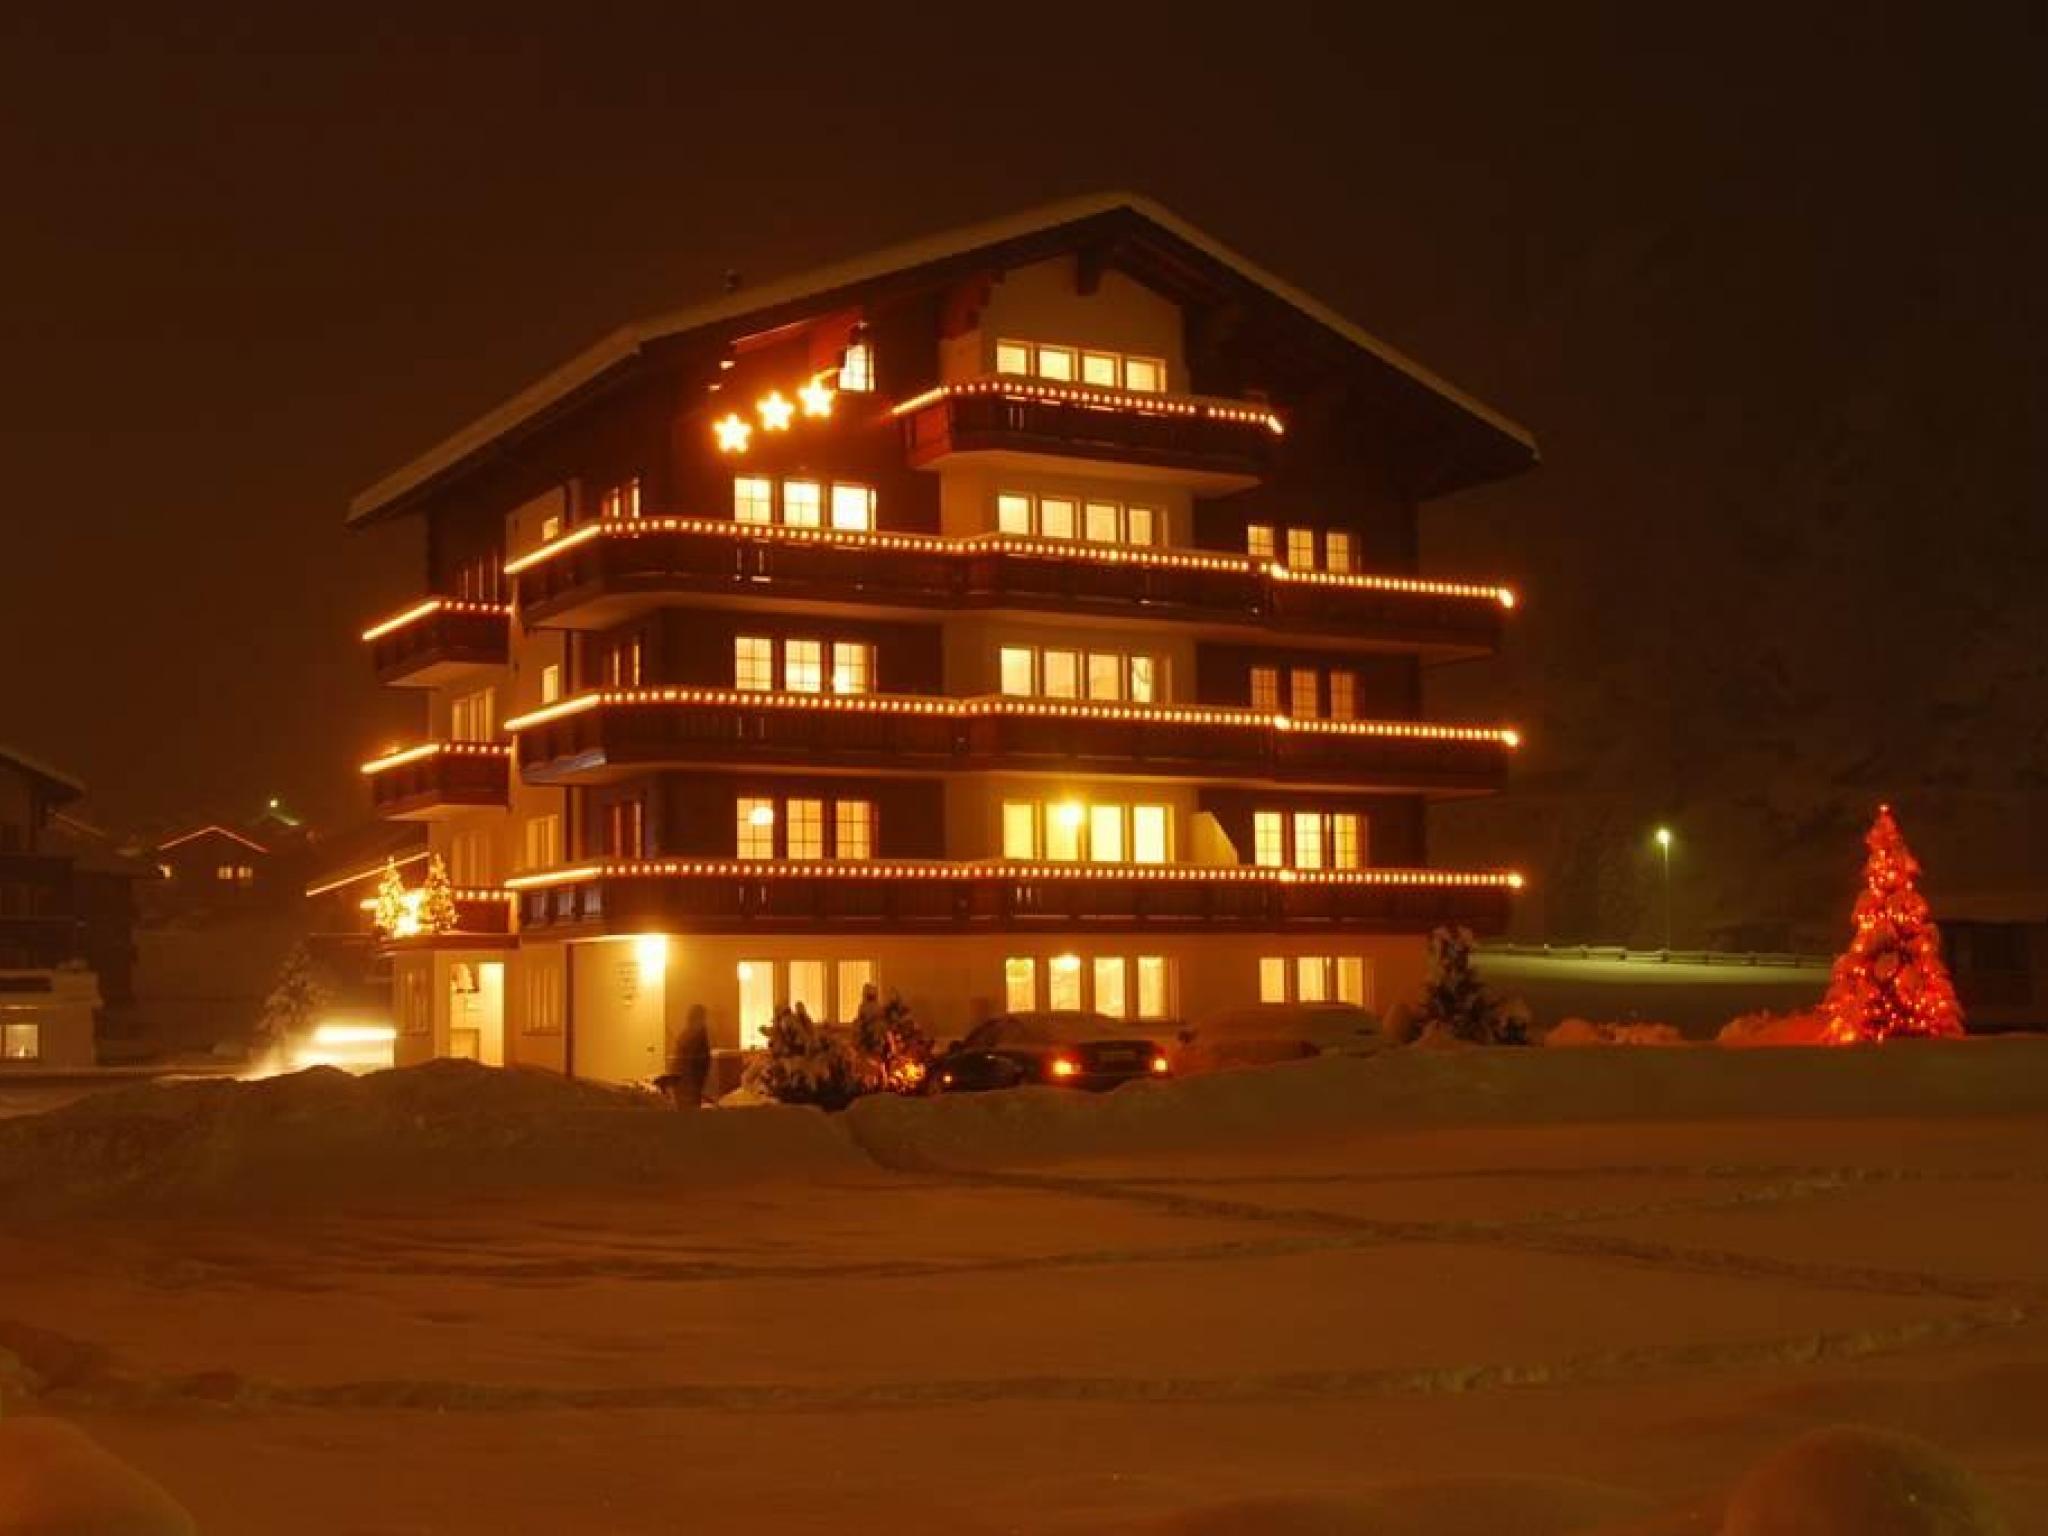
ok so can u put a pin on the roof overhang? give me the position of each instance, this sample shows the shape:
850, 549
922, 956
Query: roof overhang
1018, 237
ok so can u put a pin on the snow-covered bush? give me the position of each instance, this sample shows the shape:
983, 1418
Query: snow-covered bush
1765, 1028
303, 990
1456, 1005
1569, 1032
895, 1054
804, 1062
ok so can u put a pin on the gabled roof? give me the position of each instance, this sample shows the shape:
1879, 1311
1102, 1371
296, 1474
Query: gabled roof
61, 785
215, 829
628, 342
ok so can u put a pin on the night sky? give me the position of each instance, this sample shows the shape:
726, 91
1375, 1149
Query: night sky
1768, 290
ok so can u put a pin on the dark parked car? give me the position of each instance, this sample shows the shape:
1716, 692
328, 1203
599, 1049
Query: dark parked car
1064, 1050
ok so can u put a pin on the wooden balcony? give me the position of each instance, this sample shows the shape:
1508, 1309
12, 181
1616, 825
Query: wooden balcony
601, 736
606, 573
731, 897
440, 640
1210, 446
441, 778
483, 920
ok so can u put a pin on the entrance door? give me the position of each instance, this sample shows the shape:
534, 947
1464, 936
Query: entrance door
476, 1011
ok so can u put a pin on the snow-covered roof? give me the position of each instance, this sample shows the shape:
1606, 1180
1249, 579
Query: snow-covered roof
68, 787
216, 829
629, 340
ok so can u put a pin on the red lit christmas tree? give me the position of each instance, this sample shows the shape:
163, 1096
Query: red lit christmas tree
1890, 981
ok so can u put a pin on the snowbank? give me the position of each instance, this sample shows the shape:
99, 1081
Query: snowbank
326, 1135
54, 1481
1337, 1096
1851, 1481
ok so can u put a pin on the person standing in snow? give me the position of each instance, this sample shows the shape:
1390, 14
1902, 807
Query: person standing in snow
689, 1061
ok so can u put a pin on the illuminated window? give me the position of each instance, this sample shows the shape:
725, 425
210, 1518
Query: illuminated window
550, 682
1347, 846
753, 499
1266, 690
855, 977
1311, 979
1020, 829
625, 829
802, 503
1336, 550
1258, 540
1063, 983
1106, 834
1013, 513
853, 506
1097, 520
757, 1000
1301, 549
754, 827
551, 527
1143, 524
1100, 368
1144, 679
753, 663
1063, 824
803, 823
621, 663
543, 841
1145, 374
1056, 363
1101, 522
1308, 840
1155, 987
1272, 979
1269, 839
853, 829
1343, 695
1062, 674
1111, 975
1056, 517
621, 501
1020, 984
1105, 676
1019, 672
857, 369
1013, 357
21, 1042
1301, 693
853, 667
807, 989
1351, 980
803, 666
474, 716
1148, 834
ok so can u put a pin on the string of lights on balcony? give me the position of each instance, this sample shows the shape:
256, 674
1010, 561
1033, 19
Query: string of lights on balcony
999, 706
1005, 869
1002, 544
1095, 397
427, 749
431, 606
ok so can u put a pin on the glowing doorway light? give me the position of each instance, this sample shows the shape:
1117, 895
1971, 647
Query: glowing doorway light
650, 953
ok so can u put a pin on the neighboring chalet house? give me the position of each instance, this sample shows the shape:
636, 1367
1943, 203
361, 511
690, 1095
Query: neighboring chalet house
211, 870
1027, 618
59, 913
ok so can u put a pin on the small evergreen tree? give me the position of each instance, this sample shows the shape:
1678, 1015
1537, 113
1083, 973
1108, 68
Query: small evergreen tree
1456, 1003
437, 899
302, 992
895, 1053
804, 1063
390, 913
1891, 980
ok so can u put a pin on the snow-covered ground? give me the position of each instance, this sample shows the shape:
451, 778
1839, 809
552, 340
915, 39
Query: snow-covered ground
1531, 1292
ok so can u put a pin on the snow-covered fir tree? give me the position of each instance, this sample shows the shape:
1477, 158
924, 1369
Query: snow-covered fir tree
1455, 1002
804, 1062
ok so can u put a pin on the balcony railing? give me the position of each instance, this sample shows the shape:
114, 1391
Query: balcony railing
600, 735
732, 896
440, 640
479, 914
440, 778
1214, 445
603, 573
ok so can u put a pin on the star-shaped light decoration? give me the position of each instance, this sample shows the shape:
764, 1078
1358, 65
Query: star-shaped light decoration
817, 397
733, 433
775, 411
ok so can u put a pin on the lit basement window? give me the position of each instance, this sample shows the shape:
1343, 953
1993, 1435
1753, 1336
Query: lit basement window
21, 1042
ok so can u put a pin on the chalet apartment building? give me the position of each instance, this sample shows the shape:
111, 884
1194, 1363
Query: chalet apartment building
1026, 618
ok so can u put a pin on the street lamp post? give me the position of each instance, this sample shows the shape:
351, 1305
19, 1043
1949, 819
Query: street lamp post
1663, 836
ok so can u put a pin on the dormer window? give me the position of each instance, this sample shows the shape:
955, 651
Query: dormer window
857, 370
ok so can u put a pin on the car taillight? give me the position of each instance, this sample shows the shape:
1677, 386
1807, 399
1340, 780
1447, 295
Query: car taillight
1160, 1065
1065, 1066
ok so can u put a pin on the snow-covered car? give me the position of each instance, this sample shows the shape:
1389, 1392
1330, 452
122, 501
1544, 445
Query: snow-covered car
1062, 1050
1264, 1033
